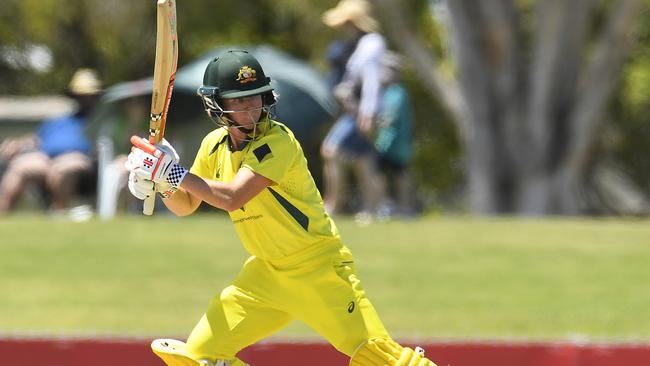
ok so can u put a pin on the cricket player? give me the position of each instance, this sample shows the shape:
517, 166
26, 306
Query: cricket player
254, 168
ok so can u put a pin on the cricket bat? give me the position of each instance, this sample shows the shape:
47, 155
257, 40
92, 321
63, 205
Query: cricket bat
164, 75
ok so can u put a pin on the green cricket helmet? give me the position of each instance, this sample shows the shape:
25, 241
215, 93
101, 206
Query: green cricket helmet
234, 74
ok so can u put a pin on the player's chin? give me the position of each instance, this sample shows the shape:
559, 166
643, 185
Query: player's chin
247, 127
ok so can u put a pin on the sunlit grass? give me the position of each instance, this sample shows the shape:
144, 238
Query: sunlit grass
433, 277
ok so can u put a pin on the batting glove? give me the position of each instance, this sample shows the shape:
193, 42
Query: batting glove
142, 188
139, 187
157, 163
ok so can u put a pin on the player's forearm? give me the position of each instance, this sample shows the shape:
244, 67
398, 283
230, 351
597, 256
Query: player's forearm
182, 203
217, 194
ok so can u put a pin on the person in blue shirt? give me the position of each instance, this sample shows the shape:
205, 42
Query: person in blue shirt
57, 156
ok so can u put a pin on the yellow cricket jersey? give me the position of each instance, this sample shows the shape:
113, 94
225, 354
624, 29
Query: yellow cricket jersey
287, 217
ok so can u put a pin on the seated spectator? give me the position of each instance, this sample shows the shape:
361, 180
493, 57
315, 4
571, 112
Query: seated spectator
57, 157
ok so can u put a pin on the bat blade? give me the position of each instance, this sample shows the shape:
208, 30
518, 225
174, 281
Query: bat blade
163, 76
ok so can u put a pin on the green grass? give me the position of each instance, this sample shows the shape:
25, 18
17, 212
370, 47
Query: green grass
433, 277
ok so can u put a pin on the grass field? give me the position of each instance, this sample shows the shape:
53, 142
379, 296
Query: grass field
434, 277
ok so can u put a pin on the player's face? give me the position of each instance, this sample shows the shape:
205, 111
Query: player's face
246, 110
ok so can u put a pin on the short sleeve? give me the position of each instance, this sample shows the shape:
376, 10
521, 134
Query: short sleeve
201, 165
272, 157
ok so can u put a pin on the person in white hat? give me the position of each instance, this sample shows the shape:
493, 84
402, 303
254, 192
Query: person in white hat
57, 156
359, 94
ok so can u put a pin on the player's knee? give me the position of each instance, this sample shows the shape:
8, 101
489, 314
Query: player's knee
385, 351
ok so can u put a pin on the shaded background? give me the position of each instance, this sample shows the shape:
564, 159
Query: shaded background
524, 107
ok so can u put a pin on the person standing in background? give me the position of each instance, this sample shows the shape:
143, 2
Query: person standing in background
359, 93
394, 141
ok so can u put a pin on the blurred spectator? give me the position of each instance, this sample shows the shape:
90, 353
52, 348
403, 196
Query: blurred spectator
135, 121
338, 54
394, 141
359, 94
57, 157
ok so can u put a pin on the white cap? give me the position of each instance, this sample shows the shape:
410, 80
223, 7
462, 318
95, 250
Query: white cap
85, 81
355, 11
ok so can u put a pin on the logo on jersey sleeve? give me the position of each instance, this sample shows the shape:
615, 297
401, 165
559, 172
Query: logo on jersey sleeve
262, 152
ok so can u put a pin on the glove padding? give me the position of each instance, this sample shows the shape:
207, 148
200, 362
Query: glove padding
143, 188
140, 187
381, 351
159, 165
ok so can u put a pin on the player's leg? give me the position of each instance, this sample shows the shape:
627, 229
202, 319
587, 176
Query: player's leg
383, 351
331, 300
334, 304
240, 316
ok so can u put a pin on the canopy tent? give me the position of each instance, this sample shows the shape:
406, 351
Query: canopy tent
304, 104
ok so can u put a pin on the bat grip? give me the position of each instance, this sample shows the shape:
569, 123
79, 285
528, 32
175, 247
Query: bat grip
149, 202
144, 145
148, 205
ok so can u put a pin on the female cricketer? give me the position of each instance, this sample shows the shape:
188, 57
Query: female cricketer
254, 168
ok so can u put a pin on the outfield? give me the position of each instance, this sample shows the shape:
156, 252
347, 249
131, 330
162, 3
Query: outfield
434, 277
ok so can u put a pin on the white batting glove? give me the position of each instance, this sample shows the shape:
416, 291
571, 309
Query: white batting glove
157, 163
165, 190
139, 187
142, 188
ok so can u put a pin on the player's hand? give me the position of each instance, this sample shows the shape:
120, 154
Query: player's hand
157, 163
139, 187
143, 188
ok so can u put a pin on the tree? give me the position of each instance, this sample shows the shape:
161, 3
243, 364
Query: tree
530, 91
118, 37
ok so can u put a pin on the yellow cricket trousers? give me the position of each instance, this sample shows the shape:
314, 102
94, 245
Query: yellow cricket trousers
318, 286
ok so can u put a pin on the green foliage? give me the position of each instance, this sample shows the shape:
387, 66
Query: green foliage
625, 140
429, 277
436, 164
117, 38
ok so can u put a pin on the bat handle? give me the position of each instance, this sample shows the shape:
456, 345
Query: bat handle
146, 146
148, 205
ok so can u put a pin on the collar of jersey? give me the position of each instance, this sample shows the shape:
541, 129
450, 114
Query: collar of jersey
226, 139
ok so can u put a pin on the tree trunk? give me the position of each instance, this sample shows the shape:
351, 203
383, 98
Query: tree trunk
595, 86
560, 32
528, 123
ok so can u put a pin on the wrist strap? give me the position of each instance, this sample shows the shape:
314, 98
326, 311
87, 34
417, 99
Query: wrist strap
168, 192
176, 175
